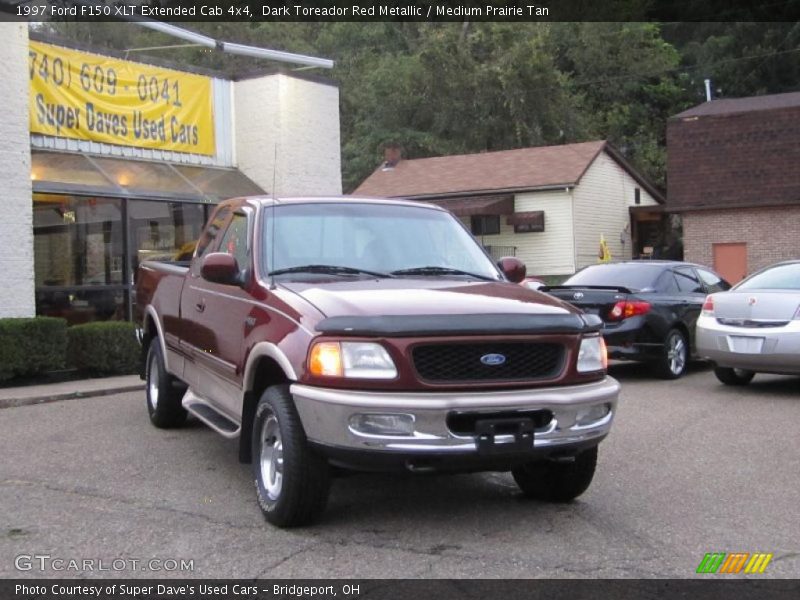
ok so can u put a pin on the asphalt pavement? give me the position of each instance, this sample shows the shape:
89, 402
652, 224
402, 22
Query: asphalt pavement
690, 467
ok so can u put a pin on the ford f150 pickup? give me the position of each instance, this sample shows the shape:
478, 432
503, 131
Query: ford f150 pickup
351, 333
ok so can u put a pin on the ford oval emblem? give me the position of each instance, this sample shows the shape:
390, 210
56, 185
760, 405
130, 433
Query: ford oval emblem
493, 360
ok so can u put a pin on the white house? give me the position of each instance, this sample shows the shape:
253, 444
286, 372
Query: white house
548, 205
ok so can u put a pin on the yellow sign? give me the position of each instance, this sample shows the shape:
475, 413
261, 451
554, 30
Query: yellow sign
92, 97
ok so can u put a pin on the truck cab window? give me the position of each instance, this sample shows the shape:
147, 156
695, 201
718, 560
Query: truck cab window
211, 233
234, 241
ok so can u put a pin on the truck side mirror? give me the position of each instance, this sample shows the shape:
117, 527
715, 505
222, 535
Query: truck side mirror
220, 267
513, 268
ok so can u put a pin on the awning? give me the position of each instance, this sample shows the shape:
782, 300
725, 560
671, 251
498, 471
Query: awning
647, 213
74, 173
535, 218
478, 205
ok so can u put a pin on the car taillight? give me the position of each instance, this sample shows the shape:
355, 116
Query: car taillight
625, 309
708, 306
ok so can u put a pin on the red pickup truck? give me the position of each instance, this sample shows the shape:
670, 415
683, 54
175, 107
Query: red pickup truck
330, 333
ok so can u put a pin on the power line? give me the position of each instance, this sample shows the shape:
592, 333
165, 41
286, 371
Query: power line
682, 68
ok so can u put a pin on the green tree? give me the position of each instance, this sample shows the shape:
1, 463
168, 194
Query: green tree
443, 88
626, 79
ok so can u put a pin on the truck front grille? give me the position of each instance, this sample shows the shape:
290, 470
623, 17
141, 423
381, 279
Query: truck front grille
521, 361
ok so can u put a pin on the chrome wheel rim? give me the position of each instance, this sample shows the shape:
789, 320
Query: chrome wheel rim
272, 457
676, 354
152, 383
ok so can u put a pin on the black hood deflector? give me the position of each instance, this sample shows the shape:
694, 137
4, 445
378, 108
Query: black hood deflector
446, 325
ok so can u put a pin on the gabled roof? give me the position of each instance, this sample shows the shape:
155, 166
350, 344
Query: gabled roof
728, 106
519, 170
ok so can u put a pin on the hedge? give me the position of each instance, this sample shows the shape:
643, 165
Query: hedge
32, 346
104, 348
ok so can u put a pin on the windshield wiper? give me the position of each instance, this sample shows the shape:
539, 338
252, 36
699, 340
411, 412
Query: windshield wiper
440, 271
331, 269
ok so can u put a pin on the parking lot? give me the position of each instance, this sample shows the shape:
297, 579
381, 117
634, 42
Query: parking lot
691, 467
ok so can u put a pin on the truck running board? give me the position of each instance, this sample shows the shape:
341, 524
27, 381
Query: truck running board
209, 415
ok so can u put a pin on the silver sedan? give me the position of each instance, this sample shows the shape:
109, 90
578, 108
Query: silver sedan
755, 326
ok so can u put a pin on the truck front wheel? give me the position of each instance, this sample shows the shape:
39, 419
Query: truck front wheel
557, 481
291, 480
163, 392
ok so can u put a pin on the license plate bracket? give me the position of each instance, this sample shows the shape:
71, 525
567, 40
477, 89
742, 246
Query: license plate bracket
741, 344
504, 436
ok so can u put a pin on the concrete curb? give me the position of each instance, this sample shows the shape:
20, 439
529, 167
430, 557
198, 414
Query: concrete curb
31, 400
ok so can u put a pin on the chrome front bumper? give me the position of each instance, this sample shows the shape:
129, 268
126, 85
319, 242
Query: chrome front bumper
327, 416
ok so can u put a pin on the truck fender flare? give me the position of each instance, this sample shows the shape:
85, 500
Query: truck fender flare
249, 400
272, 351
151, 312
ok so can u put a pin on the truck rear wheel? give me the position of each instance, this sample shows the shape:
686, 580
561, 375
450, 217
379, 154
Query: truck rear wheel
557, 481
291, 480
163, 392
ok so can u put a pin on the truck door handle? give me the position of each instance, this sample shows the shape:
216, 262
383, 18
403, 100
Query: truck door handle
200, 306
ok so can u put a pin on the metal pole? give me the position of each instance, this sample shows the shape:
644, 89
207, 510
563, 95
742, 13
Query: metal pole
241, 49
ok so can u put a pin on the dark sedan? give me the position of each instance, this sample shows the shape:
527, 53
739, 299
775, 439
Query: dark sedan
649, 308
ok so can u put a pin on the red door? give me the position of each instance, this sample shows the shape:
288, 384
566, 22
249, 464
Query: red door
730, 261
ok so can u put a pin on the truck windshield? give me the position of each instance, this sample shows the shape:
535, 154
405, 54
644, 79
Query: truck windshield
351, 238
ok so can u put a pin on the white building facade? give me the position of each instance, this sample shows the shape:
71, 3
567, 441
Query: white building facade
575, 218
81, 209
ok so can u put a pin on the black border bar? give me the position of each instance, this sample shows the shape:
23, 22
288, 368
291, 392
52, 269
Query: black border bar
711, 587
399, 10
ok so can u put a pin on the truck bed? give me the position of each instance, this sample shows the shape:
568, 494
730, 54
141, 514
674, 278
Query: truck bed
168, 277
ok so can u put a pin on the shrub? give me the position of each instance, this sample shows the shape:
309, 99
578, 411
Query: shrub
104, 348
31, 346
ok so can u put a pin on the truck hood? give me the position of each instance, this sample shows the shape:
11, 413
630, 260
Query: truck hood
425, 296
425, 306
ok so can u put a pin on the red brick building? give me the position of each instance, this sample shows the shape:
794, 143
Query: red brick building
733, 173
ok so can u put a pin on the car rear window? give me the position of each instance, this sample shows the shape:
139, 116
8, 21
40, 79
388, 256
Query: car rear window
779, 277
635, 277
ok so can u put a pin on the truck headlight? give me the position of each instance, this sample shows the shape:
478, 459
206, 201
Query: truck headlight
592, 355
357, 360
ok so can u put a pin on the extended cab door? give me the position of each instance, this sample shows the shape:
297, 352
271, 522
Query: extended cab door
214, 317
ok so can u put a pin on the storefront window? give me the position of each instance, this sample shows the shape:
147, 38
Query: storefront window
77, 241
78, 257
164, 230
97, 218
81, 305
83, 271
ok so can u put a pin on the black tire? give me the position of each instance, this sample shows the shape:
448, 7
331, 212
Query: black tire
164, 392
291, 480
730, 376
557, 481
676, 355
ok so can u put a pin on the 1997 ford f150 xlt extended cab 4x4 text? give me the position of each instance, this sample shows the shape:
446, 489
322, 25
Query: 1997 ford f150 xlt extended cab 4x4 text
370, 334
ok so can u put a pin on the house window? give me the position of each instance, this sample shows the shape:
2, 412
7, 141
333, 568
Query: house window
485, 224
